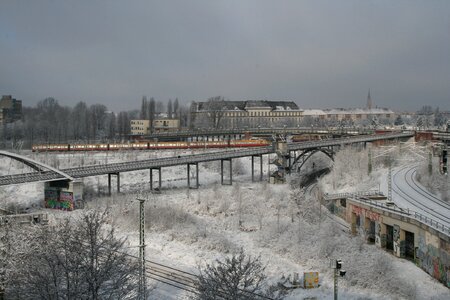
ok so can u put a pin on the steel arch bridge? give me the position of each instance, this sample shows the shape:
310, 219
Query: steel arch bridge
43, 170
306, 154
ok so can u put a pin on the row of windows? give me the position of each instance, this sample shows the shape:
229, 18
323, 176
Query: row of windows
139, 128
262, 114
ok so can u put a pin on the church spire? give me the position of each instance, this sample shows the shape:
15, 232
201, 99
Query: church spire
369, 101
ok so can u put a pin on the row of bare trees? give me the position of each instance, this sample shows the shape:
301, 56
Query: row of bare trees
50, 122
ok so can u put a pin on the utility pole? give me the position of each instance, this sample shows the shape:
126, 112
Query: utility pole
335, 285
430, 165
142, 282
390, 181
370, 163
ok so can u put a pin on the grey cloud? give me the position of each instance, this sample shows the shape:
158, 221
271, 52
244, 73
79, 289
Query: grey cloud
317, 53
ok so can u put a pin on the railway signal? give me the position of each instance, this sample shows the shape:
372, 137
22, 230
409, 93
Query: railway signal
336, 265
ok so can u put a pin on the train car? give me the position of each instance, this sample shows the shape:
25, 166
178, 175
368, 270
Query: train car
248, 143
50, 147
78, 147
151, 145
103, 147
139, 146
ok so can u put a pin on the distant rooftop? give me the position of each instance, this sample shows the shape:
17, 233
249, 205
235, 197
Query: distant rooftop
251, 104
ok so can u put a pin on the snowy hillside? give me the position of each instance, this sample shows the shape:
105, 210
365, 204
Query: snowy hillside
282, 223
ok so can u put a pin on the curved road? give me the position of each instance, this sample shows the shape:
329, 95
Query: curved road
408, 193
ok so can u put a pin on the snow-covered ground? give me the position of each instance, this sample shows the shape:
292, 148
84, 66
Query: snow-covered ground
282, 224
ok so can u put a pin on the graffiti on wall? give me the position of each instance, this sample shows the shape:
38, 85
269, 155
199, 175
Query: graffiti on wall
396, 239
59, 200
434, 260
367, 213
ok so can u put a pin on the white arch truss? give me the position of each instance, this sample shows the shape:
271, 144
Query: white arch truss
38, 166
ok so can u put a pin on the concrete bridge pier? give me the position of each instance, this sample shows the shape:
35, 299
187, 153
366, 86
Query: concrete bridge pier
260, 167
109, 182
189, 176
231, 171
159, 178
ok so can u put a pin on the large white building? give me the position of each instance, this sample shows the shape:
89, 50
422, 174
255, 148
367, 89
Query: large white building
250, 113
263, 113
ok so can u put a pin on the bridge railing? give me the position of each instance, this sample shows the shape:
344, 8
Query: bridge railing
194, 158
354, 194
408, 213
350, 140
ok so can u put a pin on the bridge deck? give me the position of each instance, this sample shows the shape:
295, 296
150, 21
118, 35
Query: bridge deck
185, 159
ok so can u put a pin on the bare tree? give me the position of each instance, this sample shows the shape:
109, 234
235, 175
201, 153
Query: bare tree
74, 260
169, 109
159, 107
144, 108
97, 120
112, 128
176, 108
214, 108
151, 112
236, 277
123, 123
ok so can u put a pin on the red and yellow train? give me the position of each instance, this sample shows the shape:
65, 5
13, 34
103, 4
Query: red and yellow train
149, 145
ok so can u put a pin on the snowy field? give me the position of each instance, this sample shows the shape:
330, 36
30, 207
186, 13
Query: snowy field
283, 224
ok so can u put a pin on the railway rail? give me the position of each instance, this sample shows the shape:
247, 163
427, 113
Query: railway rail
413, 196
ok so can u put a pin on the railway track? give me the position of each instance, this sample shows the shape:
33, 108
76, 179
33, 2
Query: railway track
183, 280
414, 196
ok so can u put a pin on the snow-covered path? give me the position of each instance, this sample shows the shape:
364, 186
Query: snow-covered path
410, 194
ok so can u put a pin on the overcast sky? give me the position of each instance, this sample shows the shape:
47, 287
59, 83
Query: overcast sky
320, 54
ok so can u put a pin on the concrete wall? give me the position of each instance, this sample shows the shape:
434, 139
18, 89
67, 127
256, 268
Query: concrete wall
64, 195
430, 249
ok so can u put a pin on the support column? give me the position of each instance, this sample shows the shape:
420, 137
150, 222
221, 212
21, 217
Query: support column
231, 171
197, 178
117, 180
397, 237
402, 243
109, 184
189, 176
260, 167
159, 177
290, 162
382, 231
151, 179
253, 169
221, 172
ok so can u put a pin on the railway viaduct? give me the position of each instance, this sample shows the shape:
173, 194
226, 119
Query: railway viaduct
289, 155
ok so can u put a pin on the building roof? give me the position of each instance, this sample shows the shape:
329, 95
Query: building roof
274, 105
250, 104
313, 112
353, 111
